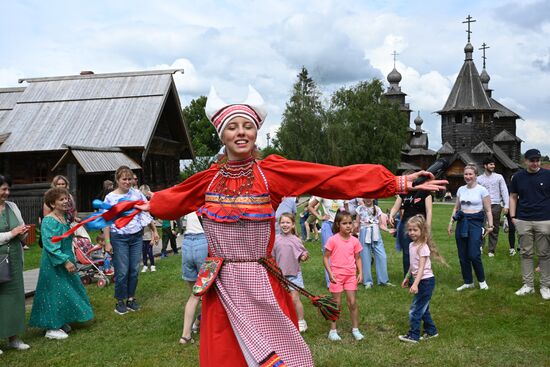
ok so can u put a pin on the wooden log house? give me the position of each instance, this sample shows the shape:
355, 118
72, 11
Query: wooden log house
84, 127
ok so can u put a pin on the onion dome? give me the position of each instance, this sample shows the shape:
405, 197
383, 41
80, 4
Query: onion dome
394, 77
418, 122
484, 77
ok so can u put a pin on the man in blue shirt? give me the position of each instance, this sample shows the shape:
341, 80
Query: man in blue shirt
530, 212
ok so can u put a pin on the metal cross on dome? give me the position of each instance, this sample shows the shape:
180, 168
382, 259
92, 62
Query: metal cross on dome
469, 20
484, 47
394, 57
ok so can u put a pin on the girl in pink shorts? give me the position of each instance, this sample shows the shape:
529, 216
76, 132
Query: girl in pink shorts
343, 264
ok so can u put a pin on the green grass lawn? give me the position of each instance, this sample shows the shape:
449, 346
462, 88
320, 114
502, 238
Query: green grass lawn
492, 328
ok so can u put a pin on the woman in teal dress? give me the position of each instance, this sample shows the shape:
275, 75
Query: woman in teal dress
12, 293
60, 298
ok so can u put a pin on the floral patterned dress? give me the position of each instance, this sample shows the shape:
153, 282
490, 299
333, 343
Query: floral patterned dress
60, 297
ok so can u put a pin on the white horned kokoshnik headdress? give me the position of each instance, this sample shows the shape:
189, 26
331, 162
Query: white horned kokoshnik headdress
220, 113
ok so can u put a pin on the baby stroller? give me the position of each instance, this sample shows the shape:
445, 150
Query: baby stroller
88, 268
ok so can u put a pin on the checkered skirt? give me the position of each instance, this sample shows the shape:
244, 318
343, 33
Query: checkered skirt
260, 326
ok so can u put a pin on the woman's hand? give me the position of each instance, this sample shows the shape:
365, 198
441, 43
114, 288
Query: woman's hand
19, 230
488, 230
143, 207
450, 229
431, 185
413, 289
71, 268
405, 283
155, 238
304, 256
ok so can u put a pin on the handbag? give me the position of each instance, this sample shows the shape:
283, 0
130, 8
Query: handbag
5, 271
207, 274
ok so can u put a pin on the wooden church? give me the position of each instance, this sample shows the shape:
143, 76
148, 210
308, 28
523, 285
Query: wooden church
473, 126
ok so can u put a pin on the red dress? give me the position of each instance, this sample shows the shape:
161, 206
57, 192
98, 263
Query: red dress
248, 319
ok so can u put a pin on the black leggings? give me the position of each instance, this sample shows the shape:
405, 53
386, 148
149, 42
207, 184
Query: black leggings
147, 251
511, 232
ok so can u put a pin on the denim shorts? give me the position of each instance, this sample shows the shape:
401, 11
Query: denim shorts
298, 280
194, 251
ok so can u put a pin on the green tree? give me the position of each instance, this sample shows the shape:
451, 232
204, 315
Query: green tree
273, 148
364, 127
301, 133
203, 134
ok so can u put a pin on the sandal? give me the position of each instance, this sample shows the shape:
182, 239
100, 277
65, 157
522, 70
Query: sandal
183, 340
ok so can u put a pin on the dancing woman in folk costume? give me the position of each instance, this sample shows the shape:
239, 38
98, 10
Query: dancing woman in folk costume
248, 317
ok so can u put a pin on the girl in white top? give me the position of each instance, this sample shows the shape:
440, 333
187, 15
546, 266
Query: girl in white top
472, 209
370, 220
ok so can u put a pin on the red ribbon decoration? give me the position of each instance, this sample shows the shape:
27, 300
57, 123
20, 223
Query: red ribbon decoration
115, 213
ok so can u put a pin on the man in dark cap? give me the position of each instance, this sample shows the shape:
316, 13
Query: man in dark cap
530, 210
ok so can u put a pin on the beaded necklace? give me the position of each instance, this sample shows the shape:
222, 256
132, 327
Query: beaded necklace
234, 170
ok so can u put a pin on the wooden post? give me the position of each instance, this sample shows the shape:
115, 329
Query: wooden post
72, 176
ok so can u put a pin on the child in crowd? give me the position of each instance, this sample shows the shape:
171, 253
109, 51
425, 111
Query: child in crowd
150, 239
169, 233
105, 256
304, 215
370, 219
311, 223
288, 251
423, 280
342, 261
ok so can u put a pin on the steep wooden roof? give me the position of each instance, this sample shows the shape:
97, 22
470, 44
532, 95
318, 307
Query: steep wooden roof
98, 110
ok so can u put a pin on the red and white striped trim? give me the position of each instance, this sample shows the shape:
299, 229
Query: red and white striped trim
222, 117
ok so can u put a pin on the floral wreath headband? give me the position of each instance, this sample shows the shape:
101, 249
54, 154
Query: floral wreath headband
220, 113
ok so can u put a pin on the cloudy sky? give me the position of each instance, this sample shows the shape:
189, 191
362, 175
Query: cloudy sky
233, 43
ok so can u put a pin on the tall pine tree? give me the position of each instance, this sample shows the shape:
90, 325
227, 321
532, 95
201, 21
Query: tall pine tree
364, 127
301, 134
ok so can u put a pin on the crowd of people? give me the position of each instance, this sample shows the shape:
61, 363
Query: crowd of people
250, 308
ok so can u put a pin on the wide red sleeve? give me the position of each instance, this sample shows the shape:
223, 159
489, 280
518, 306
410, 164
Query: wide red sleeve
186, 197
293, 178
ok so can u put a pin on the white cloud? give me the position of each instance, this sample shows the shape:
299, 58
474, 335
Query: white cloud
535, 133
233, 44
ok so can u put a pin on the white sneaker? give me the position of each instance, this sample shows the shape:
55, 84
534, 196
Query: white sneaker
333, 336
18, 344
491, 254
483, 286
357, 334
144, 269
465, 286
512, 252
302, 325
368, 286
1, 352
545, 293
524, 290
56, 334
153, 268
